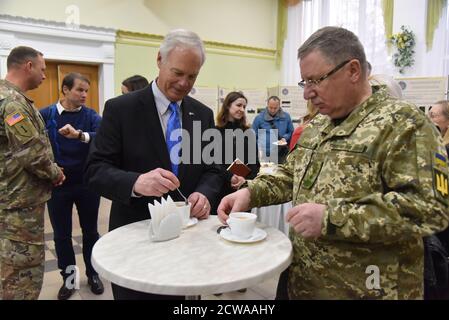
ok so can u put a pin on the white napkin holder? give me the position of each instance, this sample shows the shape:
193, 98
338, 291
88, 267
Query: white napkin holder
166, 223
169, 228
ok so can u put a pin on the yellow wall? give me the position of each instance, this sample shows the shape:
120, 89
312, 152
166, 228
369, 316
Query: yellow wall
226, 65
244, 22
240, 35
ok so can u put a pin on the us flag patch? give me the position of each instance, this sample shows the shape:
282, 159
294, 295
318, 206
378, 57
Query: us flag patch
14, 118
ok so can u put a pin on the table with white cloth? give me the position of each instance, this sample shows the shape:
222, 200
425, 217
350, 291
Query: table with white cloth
274, 216
198, 262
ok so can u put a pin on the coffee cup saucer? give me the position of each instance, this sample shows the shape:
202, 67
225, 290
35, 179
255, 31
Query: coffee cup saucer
258, 235
192, 221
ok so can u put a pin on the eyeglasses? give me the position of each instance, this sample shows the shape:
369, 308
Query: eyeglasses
310, 82
433, 115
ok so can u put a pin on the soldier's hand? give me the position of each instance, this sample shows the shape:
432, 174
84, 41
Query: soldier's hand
307, 219
60, 180
69, 132
156, 183
237, 201
200, 205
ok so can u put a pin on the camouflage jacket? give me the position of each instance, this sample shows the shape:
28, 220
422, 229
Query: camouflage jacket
26, 158
382, 173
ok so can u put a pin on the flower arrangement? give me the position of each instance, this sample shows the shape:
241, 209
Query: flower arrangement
404, 42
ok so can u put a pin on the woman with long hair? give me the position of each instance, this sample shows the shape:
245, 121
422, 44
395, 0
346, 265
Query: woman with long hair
312, 111
134, 83
231, 122
232, 117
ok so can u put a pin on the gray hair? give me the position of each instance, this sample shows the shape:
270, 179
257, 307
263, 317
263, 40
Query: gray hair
445, 105
393, 87
182, 38
336, 44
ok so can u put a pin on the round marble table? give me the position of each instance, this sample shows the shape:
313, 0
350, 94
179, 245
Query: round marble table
198, 262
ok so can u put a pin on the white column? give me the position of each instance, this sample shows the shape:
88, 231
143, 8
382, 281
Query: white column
106, 84
3, 67
7, 42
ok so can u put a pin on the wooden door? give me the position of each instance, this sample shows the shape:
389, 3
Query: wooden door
49, 91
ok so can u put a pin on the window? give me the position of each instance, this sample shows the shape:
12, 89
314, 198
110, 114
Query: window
364, 18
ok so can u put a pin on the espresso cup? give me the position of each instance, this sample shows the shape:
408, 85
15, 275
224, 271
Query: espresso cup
242, 224
183, 211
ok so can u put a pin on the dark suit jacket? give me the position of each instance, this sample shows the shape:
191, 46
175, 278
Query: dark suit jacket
130, 142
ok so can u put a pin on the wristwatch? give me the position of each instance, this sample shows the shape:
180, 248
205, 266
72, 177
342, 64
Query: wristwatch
80, 135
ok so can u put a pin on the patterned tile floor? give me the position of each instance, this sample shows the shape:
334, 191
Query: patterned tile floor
53, 280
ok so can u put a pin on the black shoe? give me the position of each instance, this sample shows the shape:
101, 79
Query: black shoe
242, 290
96, 286
65, 293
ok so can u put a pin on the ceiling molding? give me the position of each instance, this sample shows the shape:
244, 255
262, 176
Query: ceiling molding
154, 40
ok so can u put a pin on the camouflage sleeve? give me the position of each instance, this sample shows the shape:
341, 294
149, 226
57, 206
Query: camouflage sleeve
27, 144
270, 189
415, 204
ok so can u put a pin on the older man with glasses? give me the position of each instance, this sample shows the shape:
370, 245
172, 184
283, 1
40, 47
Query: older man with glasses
367, 178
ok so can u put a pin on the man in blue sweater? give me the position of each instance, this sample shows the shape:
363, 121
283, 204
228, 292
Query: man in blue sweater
71, 127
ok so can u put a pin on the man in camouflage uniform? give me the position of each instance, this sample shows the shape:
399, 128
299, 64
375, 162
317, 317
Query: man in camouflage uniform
27, 173
368, 179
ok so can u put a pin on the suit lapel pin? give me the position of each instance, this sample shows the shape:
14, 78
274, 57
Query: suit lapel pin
191, 114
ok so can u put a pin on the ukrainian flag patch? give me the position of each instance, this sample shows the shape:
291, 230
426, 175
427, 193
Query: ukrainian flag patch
14, 118
440, 160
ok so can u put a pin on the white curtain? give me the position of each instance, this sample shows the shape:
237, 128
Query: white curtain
436, 61
289, 66
364, 18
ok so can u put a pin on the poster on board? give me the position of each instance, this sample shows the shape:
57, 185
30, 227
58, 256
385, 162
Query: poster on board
292, 101
207, 96
424, 91
257, 99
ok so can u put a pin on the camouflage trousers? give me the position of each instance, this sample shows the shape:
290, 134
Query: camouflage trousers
22, 253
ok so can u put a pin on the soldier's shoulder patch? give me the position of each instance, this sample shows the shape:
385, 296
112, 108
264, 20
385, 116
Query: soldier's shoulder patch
440, 185
14, 118
440, 160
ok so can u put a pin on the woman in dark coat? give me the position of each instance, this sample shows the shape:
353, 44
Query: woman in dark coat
238, 140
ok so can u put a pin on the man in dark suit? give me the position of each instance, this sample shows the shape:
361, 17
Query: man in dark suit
130, 162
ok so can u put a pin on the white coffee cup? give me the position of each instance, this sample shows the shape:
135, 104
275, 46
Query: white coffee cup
183, 211
242, 224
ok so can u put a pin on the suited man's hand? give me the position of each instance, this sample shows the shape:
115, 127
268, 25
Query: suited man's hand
156, 183
200, 205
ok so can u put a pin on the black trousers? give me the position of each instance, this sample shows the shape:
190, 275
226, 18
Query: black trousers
60, 210
121, 293
282, 289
